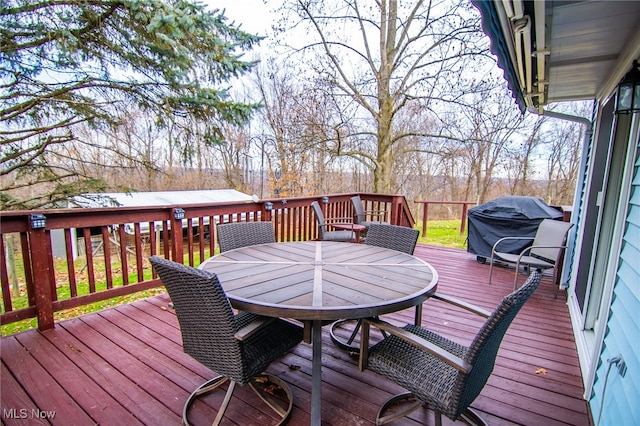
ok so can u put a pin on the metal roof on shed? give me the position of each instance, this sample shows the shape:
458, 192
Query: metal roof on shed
160, 198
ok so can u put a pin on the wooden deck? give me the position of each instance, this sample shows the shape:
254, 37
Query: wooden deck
125, 365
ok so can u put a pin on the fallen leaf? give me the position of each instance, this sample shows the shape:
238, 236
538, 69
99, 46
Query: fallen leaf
541, 371
271, 389
70, 346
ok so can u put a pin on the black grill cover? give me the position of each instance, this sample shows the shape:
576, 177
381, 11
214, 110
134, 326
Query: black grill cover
512, 216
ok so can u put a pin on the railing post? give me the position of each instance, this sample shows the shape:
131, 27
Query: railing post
40, 248
177, 214
425, 216
465, 206
266, 211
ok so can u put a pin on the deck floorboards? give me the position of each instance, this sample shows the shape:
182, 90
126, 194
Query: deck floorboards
125, 365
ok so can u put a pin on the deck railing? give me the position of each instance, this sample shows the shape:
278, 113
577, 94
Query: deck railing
463, 217
82, 256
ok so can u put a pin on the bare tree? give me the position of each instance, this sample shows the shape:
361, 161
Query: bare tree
520, 159
483, 132
296, 121
381, 57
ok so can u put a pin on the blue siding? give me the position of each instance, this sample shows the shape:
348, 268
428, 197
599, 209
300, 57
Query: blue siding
616, 399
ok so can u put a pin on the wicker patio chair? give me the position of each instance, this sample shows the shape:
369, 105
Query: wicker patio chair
324, 224
237, 347
544, 252
361, 215
242, 234
437, 371
400, 238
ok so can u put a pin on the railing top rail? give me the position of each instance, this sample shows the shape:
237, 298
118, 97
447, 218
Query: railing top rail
444, 202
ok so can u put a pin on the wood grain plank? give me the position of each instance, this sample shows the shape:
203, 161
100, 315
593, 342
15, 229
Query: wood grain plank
121, 388
45, 392
98, 404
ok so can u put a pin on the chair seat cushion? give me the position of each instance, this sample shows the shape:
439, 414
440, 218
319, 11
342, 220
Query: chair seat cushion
429, 378
526, 260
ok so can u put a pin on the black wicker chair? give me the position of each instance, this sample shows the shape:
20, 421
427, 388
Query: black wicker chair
325, 224
436, 371
242, 234
237, 347
400, 238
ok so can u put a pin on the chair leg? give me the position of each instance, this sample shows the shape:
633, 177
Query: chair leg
408, 398
266, 395
515, 280
472, 418
204, 388
216, 382
490, 268
469, 416
225, 404
347, 344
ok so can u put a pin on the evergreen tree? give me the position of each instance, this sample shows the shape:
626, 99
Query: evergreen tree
67, 64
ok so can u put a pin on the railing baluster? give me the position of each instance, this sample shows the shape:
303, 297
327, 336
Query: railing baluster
4, 278
124, 258
138, 245
88, 247
106, 251
190, 241
71, 267
28, 271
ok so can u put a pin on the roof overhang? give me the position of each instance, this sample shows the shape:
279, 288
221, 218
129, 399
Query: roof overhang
555, 51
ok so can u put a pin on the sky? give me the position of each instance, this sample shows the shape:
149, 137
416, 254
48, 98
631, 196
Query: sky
254, 15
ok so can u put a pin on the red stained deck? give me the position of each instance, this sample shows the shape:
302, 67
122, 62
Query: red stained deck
126, 366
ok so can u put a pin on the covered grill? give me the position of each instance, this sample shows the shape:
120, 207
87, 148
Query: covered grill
511, 216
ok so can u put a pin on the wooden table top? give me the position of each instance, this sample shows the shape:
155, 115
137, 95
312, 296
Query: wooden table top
322, 280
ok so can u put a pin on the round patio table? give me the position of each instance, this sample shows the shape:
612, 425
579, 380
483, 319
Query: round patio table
320, 281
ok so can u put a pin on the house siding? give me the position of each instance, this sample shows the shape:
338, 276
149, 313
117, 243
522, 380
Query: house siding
615, 398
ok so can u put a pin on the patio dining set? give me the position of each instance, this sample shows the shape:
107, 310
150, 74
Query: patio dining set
247, 306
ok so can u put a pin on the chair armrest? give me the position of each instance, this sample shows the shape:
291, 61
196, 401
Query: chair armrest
451, 359
249, 329
462, 304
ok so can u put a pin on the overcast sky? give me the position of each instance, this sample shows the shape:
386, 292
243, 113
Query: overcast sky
254, 15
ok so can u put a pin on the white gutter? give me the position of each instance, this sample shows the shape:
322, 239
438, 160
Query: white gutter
541, 51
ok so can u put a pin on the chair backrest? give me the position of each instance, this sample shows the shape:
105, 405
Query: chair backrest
484, 348
317, 210
394, 237
359, 216
242, 234
552, 235
206, 319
